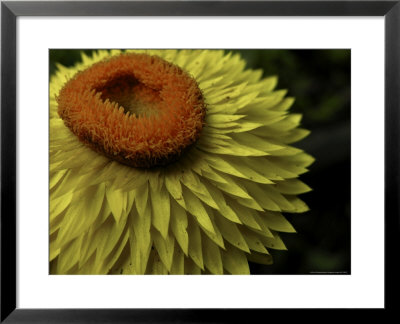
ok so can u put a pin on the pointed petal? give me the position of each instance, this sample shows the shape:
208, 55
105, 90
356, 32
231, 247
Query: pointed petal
82, 213
277, 222
178, 263
116, 199
212, 256
235, 261
195, 248
160, 210
140, 238
179, 224
231, 233
196, 208
165, 248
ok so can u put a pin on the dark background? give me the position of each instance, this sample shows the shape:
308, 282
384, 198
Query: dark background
320, 82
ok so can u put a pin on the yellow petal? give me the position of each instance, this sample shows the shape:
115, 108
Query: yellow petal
253, 241
299, 205
196, 208
215, 236
81, 214
112, 263
223, 207
273, 243
191, 267
212, 256
117, 201
231, 233
165, 248
160, 203
58, 205
261, 196
235, 261
246, 215
178, 263
179, 224
69, 255
140, 238
112, 233
232, 187
277, 222
195, 247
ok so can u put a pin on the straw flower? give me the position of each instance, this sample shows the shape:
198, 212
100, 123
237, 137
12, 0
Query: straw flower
170, 162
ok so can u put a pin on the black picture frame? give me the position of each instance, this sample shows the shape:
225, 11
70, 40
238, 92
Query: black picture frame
10, 10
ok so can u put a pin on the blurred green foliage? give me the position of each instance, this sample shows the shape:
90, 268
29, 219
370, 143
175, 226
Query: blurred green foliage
320, 81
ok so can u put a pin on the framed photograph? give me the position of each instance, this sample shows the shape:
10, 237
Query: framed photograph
183, 156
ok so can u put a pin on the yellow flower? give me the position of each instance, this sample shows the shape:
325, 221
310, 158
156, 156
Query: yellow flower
170, 162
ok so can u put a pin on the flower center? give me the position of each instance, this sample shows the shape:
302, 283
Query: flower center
133, 96
134, 108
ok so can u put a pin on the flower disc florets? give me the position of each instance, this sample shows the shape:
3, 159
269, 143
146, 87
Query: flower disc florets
137, 109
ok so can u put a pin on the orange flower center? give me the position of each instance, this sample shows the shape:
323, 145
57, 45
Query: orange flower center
137, 109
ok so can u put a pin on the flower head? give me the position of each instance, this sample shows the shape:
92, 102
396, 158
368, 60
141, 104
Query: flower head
169, 162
